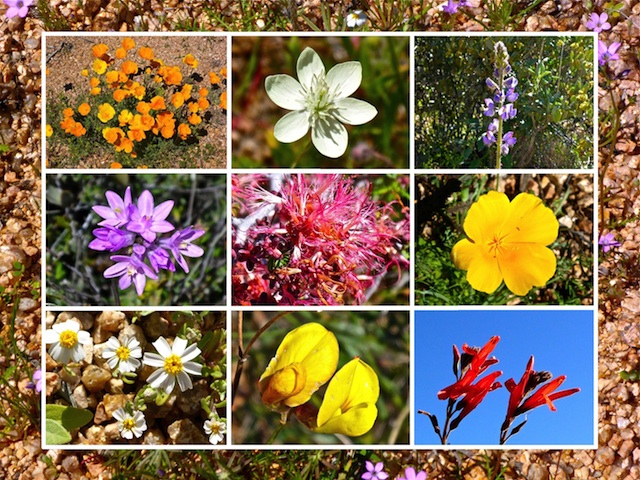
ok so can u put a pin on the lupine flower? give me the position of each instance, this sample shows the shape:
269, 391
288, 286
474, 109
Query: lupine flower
174, 364
607, 242
507, 241
305, 360
122, 357
598, 23
357, 18
521, 400
312, 239
607, 53
320, 102
216, 428
130, 425
134, 227
18, 8
374, 472
411, 474
67, 340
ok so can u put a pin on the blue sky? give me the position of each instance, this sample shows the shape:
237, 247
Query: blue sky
561, 341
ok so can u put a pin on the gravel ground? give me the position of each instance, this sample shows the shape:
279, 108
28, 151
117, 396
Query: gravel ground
618, 454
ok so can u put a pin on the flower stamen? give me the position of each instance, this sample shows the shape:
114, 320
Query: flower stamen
68, 339
173, 364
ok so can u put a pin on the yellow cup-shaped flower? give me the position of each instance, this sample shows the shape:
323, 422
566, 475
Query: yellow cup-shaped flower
305, 360
106, 112
507, 241
349, 404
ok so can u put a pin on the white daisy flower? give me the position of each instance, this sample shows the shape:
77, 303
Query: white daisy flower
216, 428
319, 101
173, 363
67, 340
130, 425
122, 357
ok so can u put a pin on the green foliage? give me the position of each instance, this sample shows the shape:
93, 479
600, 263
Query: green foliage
440, 214
75, 272
381, 339
554, 124
61, 420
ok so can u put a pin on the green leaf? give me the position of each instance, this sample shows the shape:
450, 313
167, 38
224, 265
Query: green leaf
56, 433
68, 417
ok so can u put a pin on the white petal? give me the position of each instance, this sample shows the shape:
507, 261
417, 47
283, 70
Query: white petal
293, 126
84, 338
192, 367
285, 91
77, 353
190, 353
179, 345
184, 382
112, 362
309, 65
353, 111
113, 343
163, 347
157, 378
153, 360
135, 352
51, 336
59, 353
330, 137
344, 78
119, 414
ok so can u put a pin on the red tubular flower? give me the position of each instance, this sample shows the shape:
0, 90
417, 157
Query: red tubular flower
474, 361
544, 396
518, 391
475, 394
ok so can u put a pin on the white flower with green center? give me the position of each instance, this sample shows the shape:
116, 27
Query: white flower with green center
67, 340
319, 101
216, 428
173, 364
122, 357
130, 425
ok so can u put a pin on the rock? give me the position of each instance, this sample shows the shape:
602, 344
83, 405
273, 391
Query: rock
115, 386
155, 325
95, 378
70, 464
85, 319
52, 383
605, 455
95, 435
153, 437
109, 404
111, 321
80, 396
111, 432
189, 401
537, 472
71, 375
626, 448
185, 432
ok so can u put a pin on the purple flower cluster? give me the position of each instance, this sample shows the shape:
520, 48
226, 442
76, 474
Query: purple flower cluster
607, 53
18, 8
135, 227
452, 6
501, 104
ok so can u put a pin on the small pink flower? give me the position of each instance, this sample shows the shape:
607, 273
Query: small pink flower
598, 23
410, 474
18, 8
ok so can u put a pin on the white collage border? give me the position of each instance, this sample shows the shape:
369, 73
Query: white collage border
411, 171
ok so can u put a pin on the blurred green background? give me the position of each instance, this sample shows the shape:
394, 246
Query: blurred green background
381, 339
554, 124
381, 143
74, 273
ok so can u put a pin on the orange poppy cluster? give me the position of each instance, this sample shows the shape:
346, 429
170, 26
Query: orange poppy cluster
149, 97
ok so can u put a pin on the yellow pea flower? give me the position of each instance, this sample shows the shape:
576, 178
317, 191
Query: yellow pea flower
305, 360
349, 404
507, 241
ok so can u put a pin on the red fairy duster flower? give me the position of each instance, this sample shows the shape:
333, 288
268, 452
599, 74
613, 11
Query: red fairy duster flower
312, 239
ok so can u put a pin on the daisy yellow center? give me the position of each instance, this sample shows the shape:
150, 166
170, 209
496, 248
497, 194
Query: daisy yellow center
68, 339
128, 424
173, 364
123, 352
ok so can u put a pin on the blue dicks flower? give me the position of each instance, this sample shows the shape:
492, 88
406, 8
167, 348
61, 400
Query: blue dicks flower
149, 220
130, 269
607, 242
118, 212
180, 245
111, 239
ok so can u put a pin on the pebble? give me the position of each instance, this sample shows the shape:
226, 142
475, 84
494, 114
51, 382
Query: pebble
605, 455
95, 378
537, 472
183, 431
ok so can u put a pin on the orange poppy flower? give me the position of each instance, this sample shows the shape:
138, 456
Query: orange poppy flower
112, 76
223, 72
190, 60
119, 95
193, 107
129, 67
173, 76
147, 122
203, 92
94, 81
106, 112
223, 100
136, 135
128, 43
84, 72
184, 131
121, 53
115, 165
186, 91
124, 145
99, 66
99, 50
84, 109
125, 117
146, 53
167, 132
177, 100
157, 103
143, 107
95, 91
214, 79
112, 135
67, 124
194, 119
67, 112
203, 103
78, 130
165, 118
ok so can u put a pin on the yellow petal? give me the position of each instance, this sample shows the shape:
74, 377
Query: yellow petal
348, 406
486, 216
284, 384
315, 349
530, 221
483, 271
526, 266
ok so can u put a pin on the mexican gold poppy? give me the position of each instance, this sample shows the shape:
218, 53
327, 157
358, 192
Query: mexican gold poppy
349, 404
305, 360
84, 109
507, 241
106, 112
128, 43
